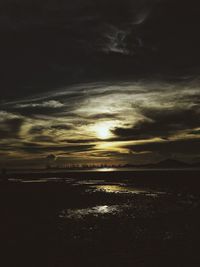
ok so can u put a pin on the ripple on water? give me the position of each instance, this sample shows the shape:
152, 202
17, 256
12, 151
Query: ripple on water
94, 211
122, 189
118, 189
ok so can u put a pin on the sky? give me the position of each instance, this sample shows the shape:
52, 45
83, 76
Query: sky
99, 81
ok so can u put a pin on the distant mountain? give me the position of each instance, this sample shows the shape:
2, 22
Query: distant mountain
172, 163
168, 163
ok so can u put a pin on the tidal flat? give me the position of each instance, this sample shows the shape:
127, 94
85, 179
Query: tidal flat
100, 219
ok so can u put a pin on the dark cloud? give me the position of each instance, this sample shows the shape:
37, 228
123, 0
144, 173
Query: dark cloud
195, 132
34, 148
39, 129
170, 147
43, 139
10, 128
46, 45
81, 141
62, 127
161, 123
103, 116
41, 108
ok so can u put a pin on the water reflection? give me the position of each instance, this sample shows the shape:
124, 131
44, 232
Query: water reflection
94, 211
106, 169
42, 180
118, 189
89, 182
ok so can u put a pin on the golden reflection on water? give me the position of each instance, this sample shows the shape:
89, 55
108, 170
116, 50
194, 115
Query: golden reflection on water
94, 211
106, 169
119, 189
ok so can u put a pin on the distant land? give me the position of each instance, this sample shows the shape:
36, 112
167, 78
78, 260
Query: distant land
165, 164
168, 163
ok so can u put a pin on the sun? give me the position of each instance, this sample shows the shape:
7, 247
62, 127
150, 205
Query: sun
103, 131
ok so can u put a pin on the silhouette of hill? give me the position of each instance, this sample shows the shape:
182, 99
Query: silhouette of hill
168, 163
172, 163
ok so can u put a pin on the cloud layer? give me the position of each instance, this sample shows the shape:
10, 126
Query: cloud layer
70, 68
147, 120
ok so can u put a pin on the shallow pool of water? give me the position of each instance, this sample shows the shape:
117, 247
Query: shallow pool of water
93, 211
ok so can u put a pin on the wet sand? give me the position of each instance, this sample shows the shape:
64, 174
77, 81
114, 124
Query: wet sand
101, 219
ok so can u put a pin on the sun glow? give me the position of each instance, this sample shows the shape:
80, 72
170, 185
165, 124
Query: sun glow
103, 132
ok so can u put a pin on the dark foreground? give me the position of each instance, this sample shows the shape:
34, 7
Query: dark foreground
101, 219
